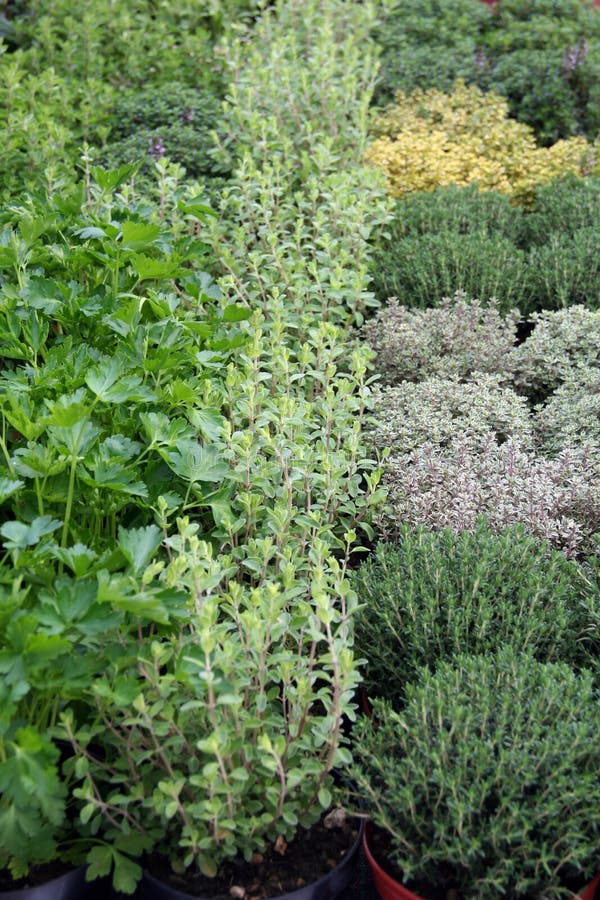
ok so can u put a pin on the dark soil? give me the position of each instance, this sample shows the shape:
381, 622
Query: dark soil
282, 868
524, 329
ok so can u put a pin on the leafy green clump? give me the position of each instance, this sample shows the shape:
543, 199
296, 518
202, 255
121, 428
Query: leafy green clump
33, 805
109, 341
428, 44
223, 733
420, 271
562, 207
542, 56
170, 120
63, 85
126, 44
432, 595
471, 240
487, 781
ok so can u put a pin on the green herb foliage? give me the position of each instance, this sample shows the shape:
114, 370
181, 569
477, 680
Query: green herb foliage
564, 206
487, 780
262, 603
111, 334
222, 735
541, 56
431, 596
169, 120
63, 85
427, 268
463, 239
429, 44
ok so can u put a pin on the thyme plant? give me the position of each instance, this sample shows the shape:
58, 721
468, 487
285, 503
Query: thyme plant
430, 596
487, 781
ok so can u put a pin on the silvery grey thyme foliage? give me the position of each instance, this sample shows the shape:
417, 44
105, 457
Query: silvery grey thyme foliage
556, 499
561, 341
571, 415
443, 411
458, 337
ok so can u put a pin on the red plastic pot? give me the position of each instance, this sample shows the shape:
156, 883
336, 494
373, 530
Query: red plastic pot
590, 891
390, 889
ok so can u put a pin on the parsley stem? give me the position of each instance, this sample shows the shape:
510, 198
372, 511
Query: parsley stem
65, 531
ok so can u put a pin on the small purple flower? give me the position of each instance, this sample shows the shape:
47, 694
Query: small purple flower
575, 56
480, 59
156, 149
187, 116
587, 166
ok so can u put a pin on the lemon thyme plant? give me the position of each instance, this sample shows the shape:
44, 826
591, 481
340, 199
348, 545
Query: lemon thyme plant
430, 138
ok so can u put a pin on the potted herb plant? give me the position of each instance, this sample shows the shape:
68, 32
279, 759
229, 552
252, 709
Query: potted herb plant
214, 741
41, 674
486, 783
85, 456
431, 595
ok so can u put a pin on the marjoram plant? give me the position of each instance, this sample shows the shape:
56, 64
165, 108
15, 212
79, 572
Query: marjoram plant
213, 738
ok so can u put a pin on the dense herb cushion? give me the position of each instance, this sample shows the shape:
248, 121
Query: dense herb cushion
488, 780
430, 596
458, 337
422, 270
170, 120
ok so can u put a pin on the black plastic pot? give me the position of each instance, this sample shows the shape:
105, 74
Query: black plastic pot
331, 886
71, 886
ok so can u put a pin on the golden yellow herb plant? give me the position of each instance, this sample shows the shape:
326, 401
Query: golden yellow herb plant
430, 139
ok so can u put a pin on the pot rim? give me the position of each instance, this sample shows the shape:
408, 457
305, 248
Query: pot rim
298, 894
47, 889
381, 876
587, 893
